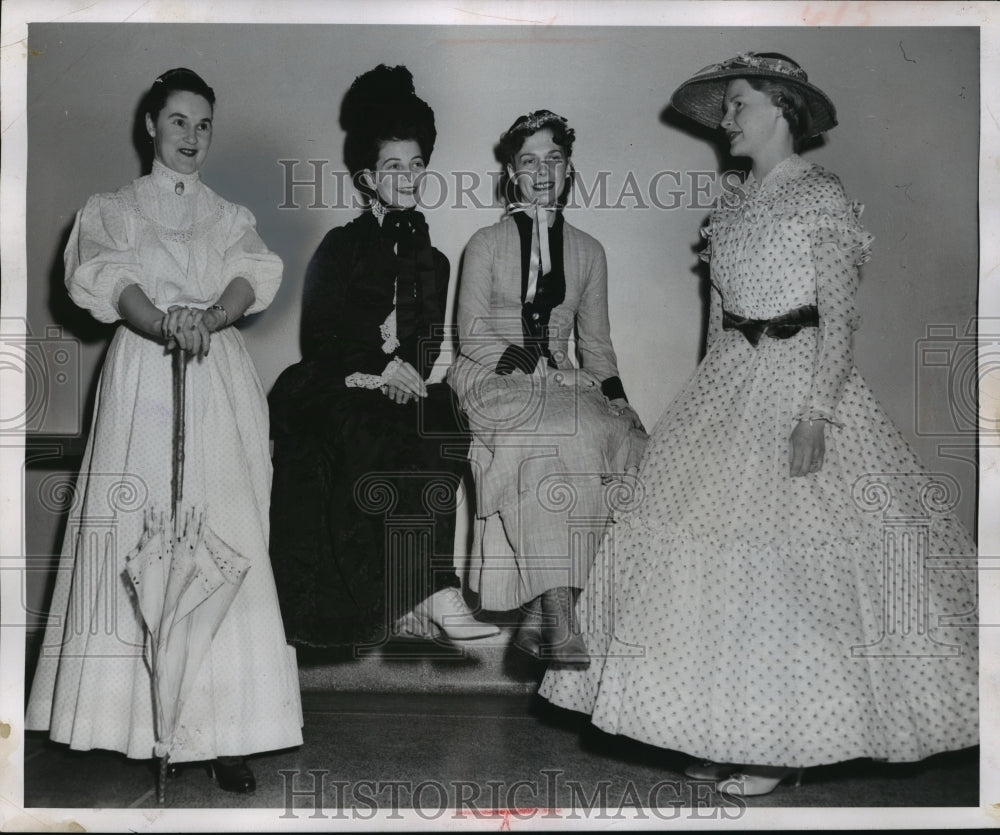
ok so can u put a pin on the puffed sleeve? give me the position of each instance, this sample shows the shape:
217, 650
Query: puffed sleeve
248, 256
100, 260
597, 354
839, 245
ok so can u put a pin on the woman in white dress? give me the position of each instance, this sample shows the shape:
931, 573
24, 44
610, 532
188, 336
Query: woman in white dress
759, 590
174, 263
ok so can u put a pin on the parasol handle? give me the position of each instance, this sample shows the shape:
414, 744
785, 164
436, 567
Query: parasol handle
161, 785
177, 484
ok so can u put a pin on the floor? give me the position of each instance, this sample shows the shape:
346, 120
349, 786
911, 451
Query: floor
477, 752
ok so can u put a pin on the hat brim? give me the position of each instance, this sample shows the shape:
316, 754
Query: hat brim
701, 98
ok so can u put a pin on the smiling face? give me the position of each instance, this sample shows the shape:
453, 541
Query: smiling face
398, 174
753, 123
540, 169
182, 133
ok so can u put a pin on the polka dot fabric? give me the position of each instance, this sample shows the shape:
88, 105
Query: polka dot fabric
741, 615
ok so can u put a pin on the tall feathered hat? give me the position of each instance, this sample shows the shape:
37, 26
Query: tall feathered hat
382, 104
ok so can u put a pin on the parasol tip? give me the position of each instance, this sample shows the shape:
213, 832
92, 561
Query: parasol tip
161, 784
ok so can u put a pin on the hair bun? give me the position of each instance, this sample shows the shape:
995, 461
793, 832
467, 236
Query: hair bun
380, 105
373, 93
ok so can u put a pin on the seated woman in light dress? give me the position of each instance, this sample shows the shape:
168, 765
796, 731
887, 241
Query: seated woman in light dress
547, 435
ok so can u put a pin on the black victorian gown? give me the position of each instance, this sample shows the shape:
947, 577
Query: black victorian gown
363, 500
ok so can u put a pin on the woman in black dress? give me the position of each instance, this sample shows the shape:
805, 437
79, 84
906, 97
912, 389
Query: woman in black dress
368, 455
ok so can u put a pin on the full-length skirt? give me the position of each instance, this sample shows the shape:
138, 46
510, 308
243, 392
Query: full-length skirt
545, 459
92, 688
741, 615
363, 507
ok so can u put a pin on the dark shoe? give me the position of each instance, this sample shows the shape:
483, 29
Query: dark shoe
562, 645
528, 637
232, 774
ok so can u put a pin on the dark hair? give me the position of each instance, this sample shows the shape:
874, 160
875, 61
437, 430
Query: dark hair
787, 97
172, 81
382, 106
513, 139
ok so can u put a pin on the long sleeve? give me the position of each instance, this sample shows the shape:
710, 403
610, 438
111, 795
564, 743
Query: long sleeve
341, 315
714, 317
839, 245
428, 347
248, 256
714, 294
480, 333
597, 354
100, 260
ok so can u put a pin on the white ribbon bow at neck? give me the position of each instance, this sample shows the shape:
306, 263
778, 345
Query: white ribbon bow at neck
540, 255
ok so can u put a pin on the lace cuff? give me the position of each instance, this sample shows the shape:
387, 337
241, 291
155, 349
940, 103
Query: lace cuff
358, 380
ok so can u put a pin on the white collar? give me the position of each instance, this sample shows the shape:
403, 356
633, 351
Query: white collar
174, 181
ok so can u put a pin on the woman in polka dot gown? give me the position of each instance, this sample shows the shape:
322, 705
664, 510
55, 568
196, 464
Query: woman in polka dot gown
748, 608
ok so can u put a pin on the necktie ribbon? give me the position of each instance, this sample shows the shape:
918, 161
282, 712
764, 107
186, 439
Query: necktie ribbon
540, 255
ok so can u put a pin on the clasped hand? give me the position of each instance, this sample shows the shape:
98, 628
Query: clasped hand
404, 384
189, 329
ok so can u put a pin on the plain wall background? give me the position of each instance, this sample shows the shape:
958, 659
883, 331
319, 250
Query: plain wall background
907, 147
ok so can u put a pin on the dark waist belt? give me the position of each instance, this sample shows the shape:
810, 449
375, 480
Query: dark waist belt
780, 327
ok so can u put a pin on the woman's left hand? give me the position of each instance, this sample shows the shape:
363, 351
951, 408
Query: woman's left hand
622, 408
807, 447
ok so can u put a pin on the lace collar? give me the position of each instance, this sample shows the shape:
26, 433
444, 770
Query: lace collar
788, 168
170, 180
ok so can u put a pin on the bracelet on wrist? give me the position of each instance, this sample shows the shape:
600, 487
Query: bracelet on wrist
223, 311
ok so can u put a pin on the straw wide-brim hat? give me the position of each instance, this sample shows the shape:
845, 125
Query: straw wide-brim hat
701, 96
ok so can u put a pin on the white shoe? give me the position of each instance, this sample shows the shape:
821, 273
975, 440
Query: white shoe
447, 610
709, 770
754, 782
416, 627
